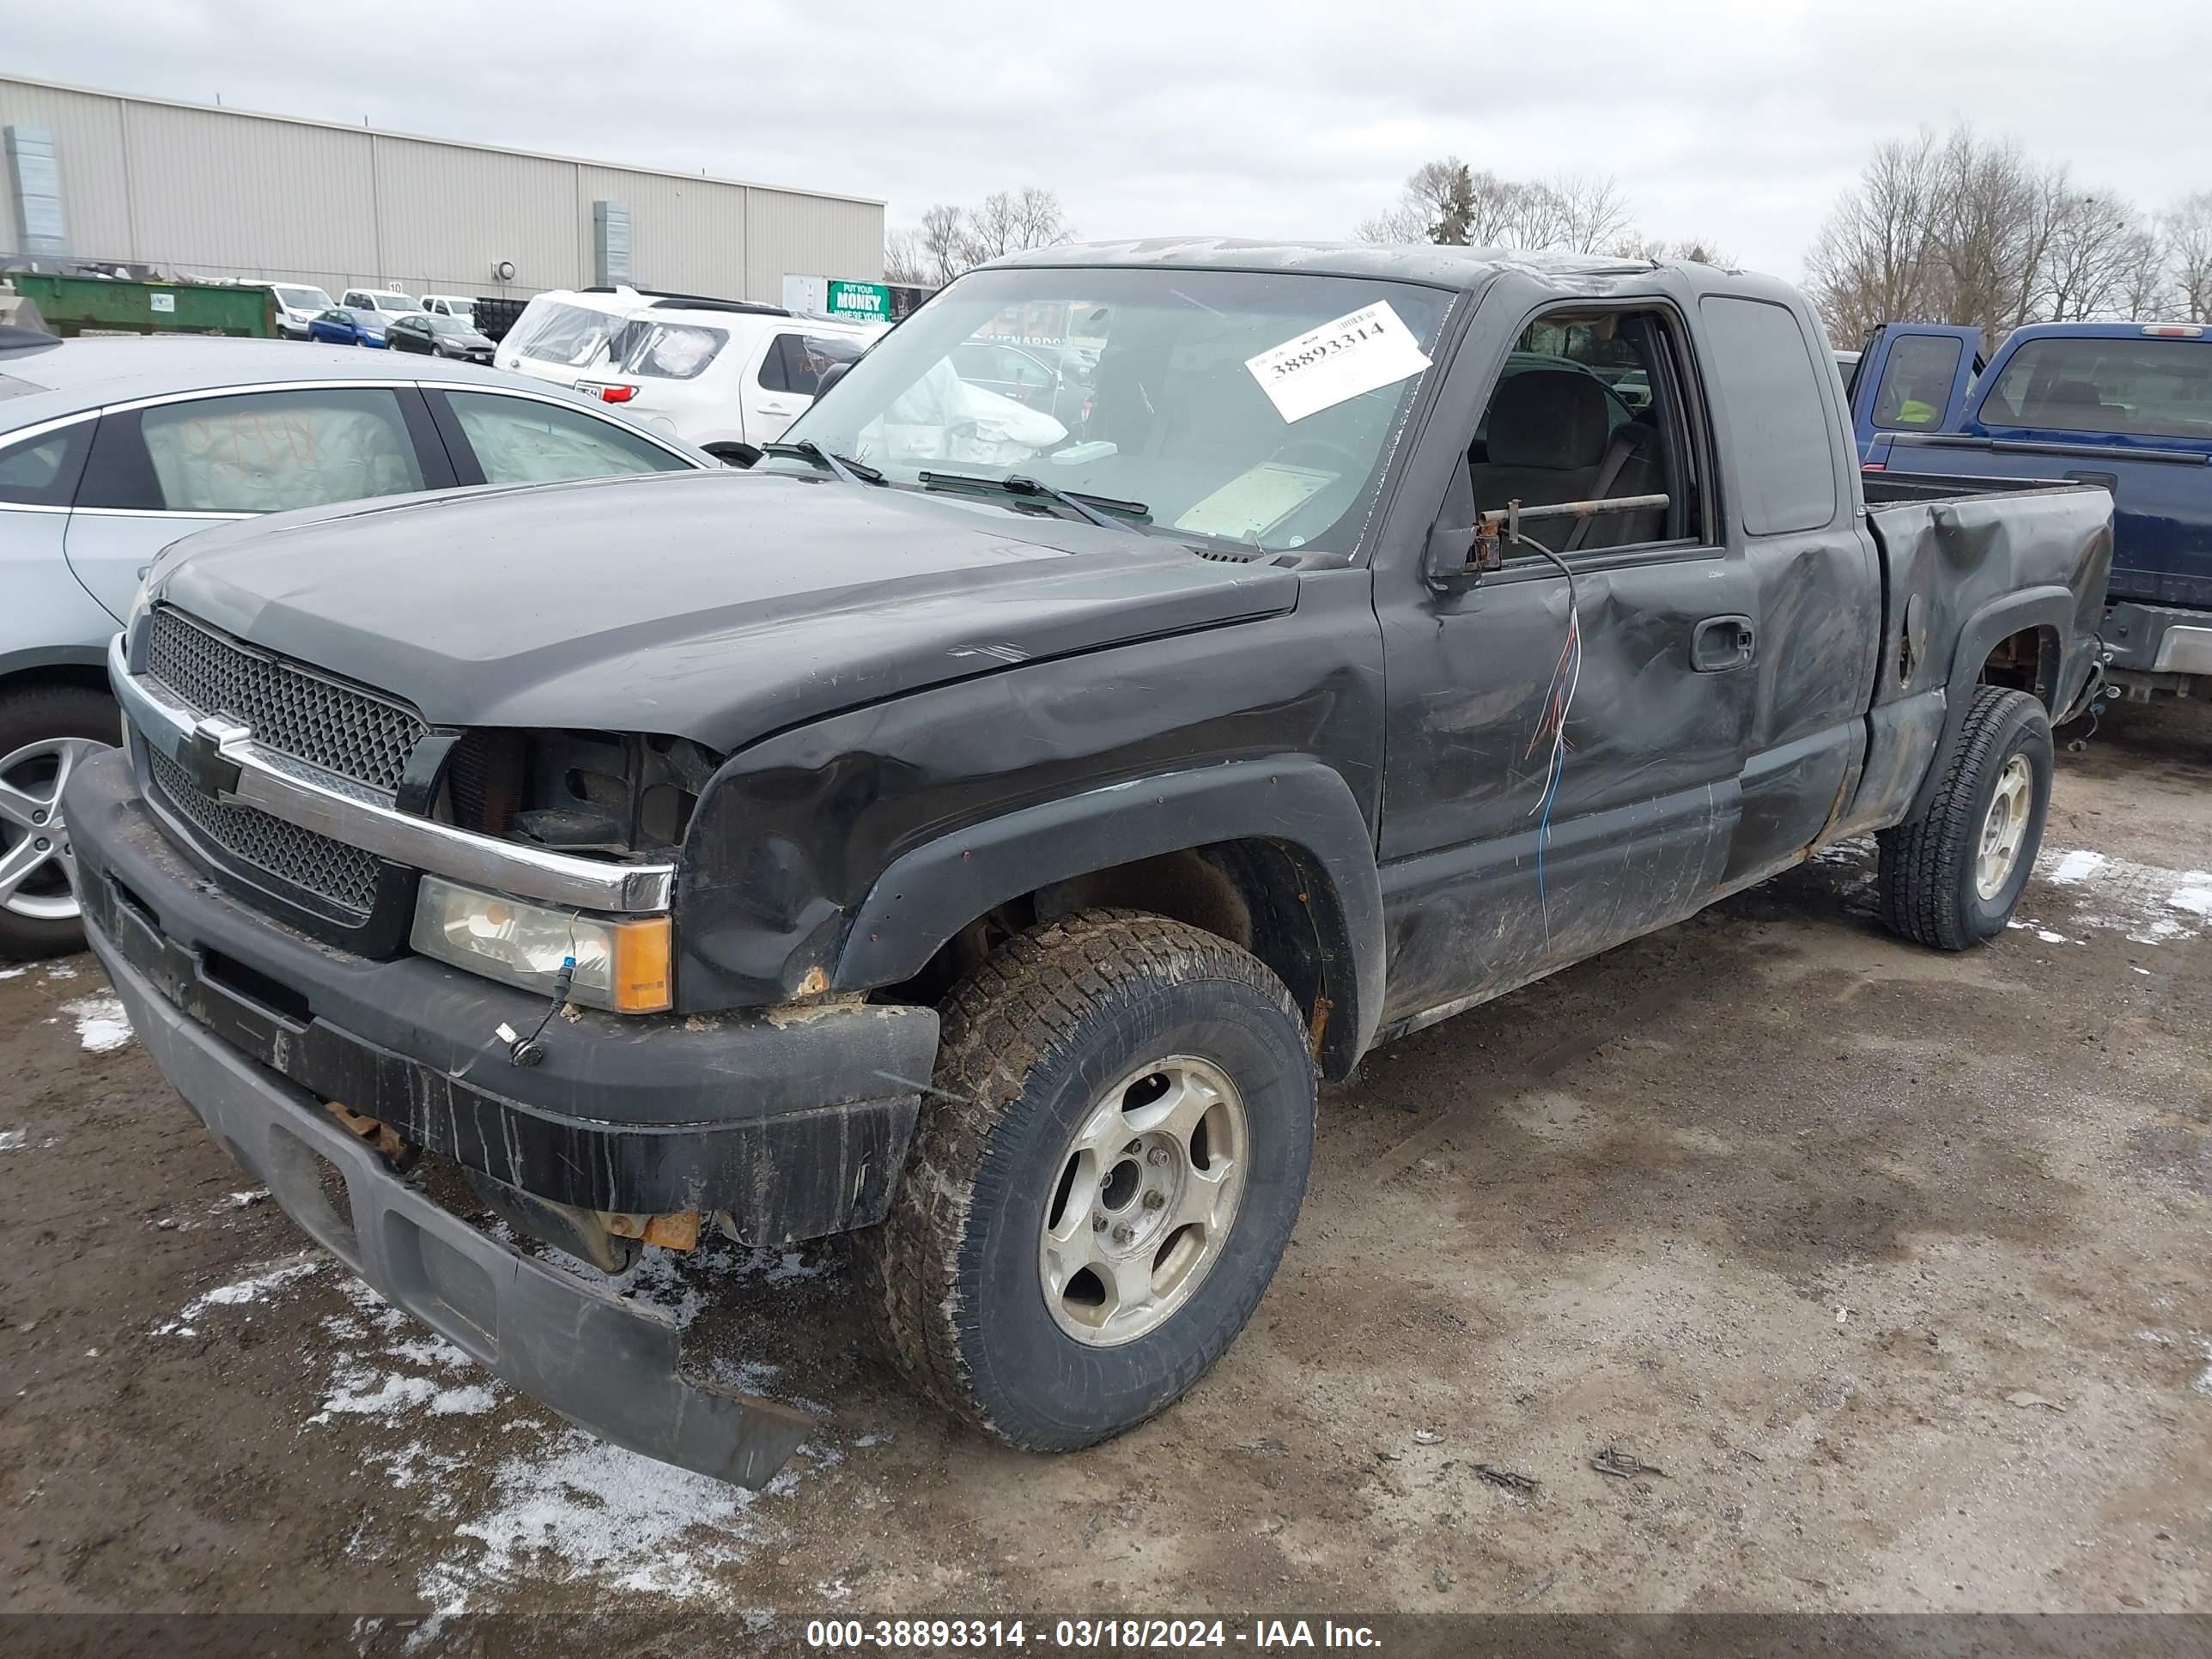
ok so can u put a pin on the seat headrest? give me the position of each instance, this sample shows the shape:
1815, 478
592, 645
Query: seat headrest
1549, 417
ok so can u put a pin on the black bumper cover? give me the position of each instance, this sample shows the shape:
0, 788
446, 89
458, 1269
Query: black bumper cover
199, 977
610, 1365
797, 1126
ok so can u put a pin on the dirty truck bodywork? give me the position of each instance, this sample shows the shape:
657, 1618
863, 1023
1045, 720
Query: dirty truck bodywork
965, 810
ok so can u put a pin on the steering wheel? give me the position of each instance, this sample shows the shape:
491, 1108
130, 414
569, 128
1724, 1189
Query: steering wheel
1352, 465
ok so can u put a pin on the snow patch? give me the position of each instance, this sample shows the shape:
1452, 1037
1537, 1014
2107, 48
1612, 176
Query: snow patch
14, 1141
2148, 904
13, 972
2203, 1383
577, 1509
101, 1025
241, 1293
362, 1391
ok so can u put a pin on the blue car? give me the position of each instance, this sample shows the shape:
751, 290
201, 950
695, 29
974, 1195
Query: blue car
347, 326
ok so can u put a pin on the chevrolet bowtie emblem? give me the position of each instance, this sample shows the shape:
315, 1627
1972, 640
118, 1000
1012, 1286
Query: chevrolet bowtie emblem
201, 756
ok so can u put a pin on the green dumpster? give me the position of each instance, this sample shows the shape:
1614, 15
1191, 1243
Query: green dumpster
78, 305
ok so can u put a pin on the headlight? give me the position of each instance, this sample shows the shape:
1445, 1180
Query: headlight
621, 965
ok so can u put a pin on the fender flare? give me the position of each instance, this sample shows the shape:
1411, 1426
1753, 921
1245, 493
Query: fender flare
2047, 606
14, 662
929, 892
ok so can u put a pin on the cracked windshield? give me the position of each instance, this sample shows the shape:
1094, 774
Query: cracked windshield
1223, 405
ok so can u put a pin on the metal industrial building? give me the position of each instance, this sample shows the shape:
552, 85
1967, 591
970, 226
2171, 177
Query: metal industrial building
197, 190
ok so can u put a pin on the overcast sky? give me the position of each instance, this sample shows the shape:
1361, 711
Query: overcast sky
1738, 123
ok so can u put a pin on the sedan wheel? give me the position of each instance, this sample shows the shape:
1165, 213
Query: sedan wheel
45, 734
35, 847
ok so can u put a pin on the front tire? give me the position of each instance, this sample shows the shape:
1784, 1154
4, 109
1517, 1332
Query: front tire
1951, 877
44, 731
1101, 1182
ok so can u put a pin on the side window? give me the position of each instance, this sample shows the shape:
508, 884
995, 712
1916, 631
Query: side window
523, 440
43, 472
1916, 382
1594, 406
796, 362
264, 452
1764, 376
775, 367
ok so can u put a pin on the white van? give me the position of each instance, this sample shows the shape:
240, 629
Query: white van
714, 373
390, 302
451, 305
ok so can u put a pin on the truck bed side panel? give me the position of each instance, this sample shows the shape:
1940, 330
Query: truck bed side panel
1959, 576
2162, 500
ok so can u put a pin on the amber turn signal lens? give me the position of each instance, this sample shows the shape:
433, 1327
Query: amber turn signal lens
640, 970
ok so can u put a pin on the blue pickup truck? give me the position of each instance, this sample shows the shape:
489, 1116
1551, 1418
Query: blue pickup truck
2127, 405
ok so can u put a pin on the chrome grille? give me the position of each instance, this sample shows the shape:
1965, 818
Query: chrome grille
290, 709
344, 875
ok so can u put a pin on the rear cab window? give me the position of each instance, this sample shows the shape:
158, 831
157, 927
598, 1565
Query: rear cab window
1765, 377
2145, 388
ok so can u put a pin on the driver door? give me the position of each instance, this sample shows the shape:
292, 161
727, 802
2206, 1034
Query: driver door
1549, 792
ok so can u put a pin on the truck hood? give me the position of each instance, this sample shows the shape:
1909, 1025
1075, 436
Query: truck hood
718, 606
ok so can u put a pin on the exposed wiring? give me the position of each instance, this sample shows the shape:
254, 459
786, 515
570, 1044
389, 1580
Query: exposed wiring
1558, 704
528, 1051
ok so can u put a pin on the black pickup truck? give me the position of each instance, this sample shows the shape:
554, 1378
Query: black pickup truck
976, 833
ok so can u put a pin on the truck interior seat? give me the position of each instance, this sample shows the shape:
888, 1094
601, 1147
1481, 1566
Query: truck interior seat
1552, 440
1639, 473
1548, 430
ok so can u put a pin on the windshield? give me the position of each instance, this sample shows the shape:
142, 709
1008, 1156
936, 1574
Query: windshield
1252, 407
463, 309
394, 302
556, 333
302, 299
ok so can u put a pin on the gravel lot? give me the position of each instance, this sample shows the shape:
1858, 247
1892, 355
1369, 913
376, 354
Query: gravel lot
1895, 1263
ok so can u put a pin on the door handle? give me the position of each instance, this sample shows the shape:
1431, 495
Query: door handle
1722, 643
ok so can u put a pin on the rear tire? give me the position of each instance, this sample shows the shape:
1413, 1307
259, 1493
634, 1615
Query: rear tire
1117, 1096
44, 731
1951, 877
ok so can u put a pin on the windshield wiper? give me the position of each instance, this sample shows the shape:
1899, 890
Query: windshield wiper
1083, 506
846, 470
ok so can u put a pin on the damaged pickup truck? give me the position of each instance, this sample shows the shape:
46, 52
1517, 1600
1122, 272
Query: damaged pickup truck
977, 835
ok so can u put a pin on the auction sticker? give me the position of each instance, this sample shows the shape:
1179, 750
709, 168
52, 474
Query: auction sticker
1368, 350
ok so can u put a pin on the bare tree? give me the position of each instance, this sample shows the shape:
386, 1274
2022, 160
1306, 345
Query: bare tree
1011, 221
1973, 231
1429, 190
1448, 201
906, 261
1589, 211
2093, 251
1876, 256
2147, 287
952, 240
2188, 229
